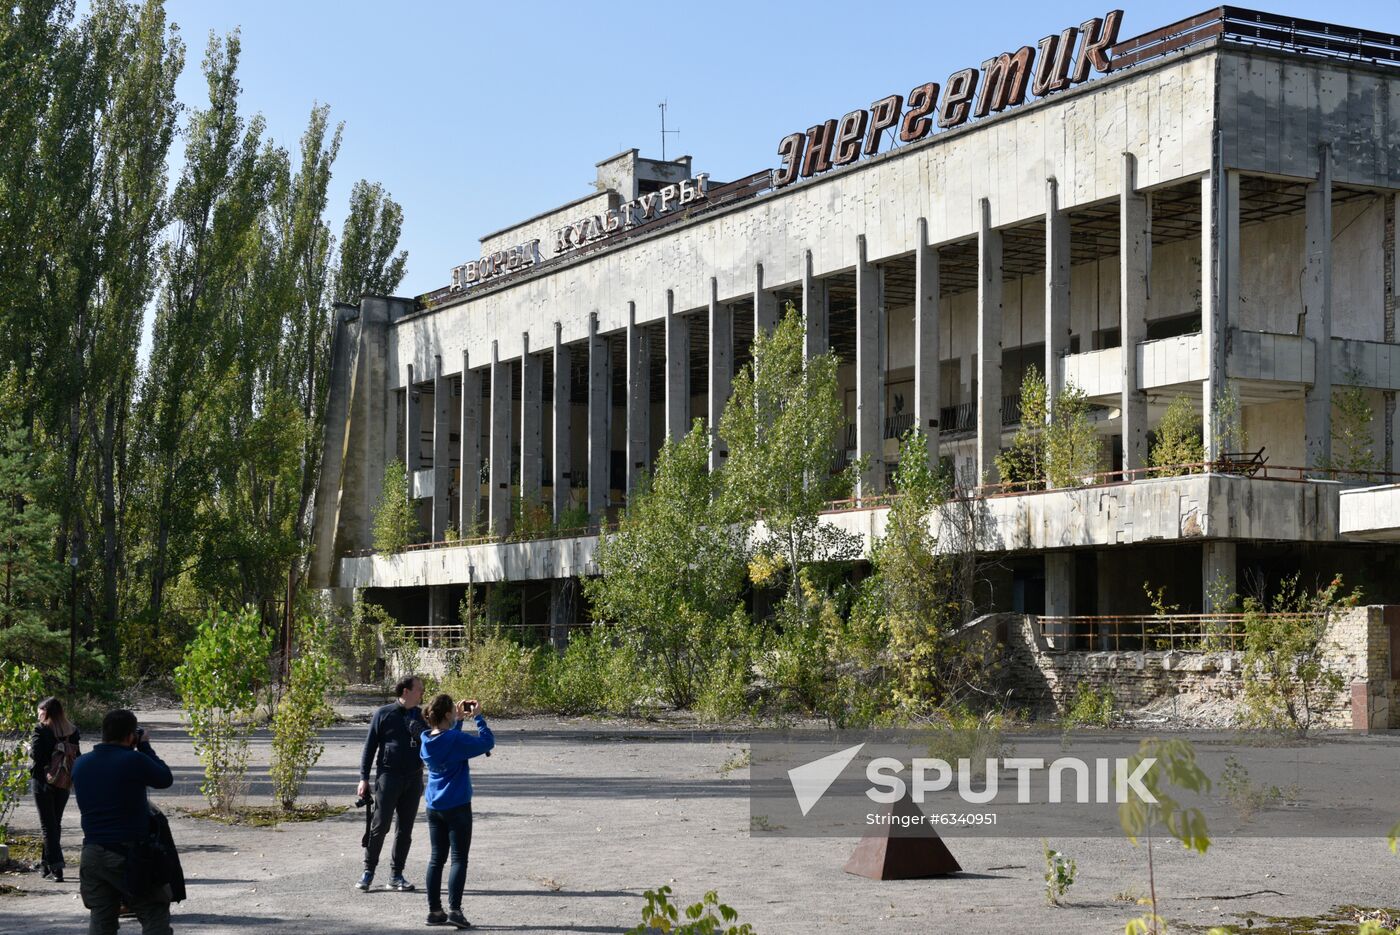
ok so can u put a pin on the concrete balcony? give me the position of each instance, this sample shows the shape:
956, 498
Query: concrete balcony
1371, 513
1122, 513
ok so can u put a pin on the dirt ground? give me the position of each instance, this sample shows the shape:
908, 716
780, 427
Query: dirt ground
576, 818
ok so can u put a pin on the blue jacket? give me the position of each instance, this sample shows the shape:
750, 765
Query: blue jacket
449, 779
110, 782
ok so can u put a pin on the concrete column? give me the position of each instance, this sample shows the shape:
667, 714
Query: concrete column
1317, 306
442, 451
765, 306
1059, 584
439, 612
638, 400
531, 423
561, 612
561, 424
1057, 264
1219, 561
677, 371
926, 337
870, 376
1388, 426
1059, 591
469, 486
816, 312
988, 347
721, 370
1134, 242
412, 428
1220, 252
599, 419
498, 499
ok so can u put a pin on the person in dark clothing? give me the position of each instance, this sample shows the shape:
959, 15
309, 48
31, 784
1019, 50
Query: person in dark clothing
391, 749
446, 748
110, 782
51, 797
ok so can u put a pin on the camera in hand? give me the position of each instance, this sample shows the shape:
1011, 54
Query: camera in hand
362, 801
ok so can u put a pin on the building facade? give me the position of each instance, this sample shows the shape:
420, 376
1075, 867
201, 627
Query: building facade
1204, 211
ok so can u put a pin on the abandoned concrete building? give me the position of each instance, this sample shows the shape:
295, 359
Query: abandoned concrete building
1206, 211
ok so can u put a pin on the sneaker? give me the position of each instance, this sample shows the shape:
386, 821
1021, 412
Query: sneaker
399, 885
456, 918
56, 874
365, 881
437, 917
44, 868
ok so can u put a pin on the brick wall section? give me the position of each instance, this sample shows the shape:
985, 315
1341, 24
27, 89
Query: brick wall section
1045, 681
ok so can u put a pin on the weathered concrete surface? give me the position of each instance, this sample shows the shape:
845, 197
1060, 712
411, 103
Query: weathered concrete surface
1371, 513
1201, 506
574, 819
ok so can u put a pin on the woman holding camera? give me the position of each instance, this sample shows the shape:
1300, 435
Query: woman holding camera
446, 748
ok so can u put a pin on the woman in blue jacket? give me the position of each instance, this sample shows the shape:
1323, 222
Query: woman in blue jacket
445, 748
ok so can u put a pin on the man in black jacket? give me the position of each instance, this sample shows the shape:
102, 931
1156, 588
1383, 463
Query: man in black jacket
110, 783
391, 748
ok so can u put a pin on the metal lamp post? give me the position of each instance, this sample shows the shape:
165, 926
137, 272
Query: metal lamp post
72, 618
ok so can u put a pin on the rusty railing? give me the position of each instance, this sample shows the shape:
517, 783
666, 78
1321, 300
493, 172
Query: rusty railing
1150, 632
1266, 30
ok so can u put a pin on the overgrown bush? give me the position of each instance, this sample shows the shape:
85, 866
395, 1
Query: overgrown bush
224, 668
599, 672
395, 523
302, 711
1060, 871
1090, 707
1288, 682
500, 673
1179, 438
707, 917
21, 688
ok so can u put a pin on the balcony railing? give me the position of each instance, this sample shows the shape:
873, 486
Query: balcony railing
1150, 632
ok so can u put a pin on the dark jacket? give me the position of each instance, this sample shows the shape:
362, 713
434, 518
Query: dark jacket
391, 745
110, 782
41, 749
449, 778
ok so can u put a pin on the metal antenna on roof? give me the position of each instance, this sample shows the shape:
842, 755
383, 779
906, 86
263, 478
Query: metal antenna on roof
664, 131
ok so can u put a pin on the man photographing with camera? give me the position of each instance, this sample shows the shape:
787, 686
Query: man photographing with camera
110, 783
391, 749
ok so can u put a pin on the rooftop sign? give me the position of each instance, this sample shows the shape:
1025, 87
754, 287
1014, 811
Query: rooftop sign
1004, 80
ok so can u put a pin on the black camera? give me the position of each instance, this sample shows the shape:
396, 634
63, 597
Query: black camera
362, 801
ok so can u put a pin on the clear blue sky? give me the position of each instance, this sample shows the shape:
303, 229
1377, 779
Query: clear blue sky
476, 115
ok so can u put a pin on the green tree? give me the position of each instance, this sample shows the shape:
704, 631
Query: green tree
1023, 464
1353, 445
29, 576
1071, 444
1179, 439
225, 667
368, 263
1174, 768
1227, 423
671, 573
914, 594
303, 711
21, 686
781, 424
209, 265
395, 523
1288, 682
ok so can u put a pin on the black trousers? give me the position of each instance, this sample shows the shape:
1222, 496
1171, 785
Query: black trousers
50, 802
450, 832
396, 797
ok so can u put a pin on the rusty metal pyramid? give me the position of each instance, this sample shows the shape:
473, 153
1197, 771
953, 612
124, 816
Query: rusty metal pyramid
893, 852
